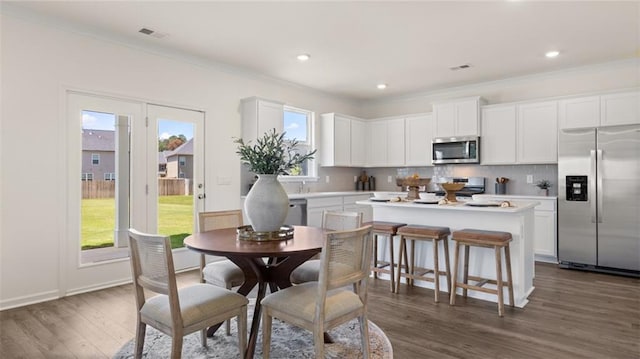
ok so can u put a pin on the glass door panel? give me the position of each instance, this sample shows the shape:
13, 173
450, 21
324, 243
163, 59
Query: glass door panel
178, 171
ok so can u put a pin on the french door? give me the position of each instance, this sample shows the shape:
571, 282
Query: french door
118, 179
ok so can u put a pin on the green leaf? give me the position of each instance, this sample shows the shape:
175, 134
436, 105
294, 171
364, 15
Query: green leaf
271, 154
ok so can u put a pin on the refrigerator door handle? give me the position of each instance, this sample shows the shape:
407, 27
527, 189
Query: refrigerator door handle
592, 186
599, 191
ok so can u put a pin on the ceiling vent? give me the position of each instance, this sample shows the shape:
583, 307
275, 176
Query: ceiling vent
157, 35
461, 67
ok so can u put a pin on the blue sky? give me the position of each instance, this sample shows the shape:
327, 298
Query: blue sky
295, 125
166, 128
98, 120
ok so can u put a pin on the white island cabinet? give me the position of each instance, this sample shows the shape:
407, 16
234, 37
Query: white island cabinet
517, 220
546, 224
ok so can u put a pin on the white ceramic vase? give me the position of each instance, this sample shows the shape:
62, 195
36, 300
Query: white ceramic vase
267, 204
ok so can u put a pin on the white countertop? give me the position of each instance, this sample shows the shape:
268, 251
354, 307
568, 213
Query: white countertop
403, 194
535, 198
325, 194
328, 194
517, 206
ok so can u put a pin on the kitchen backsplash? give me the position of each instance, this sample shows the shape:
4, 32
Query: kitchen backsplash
341, 178
517, 175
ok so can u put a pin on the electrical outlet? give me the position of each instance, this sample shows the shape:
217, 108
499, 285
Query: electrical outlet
389, 179
326, 179
529, 178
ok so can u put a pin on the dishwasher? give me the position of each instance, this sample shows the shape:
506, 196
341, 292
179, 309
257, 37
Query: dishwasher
297, 215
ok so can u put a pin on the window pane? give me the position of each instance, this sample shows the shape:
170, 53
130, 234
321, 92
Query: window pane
295, 125
98, 212
175, 179
95, 158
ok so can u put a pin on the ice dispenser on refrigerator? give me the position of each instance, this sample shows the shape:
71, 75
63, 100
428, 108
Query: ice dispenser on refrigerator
577, 188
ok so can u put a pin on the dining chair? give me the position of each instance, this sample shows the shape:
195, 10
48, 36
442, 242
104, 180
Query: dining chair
223, 273
320, 306
334, 221
177, 312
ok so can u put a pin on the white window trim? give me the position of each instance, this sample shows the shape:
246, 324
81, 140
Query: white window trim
291, 179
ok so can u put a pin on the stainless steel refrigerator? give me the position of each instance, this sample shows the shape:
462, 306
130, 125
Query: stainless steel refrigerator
599, 199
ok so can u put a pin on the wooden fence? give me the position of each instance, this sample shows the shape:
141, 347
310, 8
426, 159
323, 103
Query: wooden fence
175, 186
98, 189
166, 187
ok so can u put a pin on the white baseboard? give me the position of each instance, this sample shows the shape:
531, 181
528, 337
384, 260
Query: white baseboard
28, 299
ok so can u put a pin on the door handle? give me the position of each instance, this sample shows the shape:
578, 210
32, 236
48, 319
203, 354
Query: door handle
592, 186
599, 189
202, 196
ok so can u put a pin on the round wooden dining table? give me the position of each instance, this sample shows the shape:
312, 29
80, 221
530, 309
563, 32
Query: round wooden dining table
284, 256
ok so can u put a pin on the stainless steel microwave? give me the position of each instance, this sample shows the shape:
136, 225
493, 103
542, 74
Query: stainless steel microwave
447, 150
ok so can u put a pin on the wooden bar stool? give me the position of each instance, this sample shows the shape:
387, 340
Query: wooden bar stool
389, 230
423, 233
487, 239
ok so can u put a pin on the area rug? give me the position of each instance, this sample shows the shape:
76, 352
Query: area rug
286, 342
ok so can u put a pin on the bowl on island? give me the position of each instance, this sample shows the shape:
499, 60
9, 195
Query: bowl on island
427, 196
451, 189
381, 195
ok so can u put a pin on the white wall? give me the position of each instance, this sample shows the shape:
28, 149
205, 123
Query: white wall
38, 63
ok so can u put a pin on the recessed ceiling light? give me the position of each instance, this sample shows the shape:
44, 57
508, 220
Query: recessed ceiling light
552, 54
381, 86
304, 57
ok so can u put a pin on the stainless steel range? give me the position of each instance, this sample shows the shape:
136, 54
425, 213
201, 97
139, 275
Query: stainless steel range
472, 185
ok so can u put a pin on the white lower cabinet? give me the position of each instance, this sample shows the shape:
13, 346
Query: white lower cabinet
315, 207
350, 205
545, 236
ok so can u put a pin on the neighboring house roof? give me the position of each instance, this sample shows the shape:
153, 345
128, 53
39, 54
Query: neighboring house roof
186, 149
98, 140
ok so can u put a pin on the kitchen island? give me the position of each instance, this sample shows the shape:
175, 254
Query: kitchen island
517, 220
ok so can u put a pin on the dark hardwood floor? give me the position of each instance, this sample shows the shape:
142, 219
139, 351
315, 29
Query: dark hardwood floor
571, 314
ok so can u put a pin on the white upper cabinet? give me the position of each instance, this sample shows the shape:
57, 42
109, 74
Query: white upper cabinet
260, 116
358, 143
377, 153
395, 142
600, 111
335, 140
445, 119
457, 118
498, 135
537, 129
579, 112
620, 109
418, 135
386, 143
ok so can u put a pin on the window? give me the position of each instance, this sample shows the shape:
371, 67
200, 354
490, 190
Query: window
87, 176
95, 158
298, 125
109, 176
182, 160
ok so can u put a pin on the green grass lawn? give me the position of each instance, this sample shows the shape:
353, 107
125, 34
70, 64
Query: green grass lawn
175, 219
